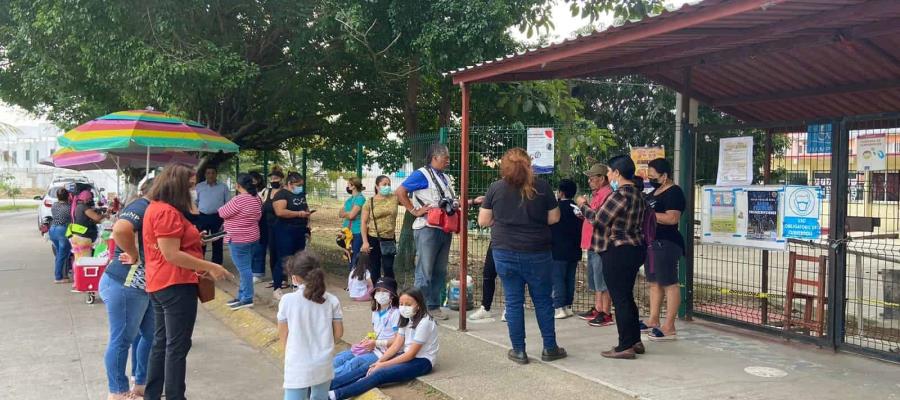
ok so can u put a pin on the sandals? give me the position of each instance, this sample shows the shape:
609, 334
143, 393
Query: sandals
657, 335
644, 327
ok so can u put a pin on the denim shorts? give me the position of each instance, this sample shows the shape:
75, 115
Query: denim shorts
594, 270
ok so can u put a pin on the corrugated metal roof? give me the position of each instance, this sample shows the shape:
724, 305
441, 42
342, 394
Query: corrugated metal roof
759, 60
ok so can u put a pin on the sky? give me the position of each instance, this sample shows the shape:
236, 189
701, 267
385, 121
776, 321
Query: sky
566, 24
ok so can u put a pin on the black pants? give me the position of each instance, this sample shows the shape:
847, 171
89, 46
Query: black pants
620, 268
212, 223
174, 312
379, 262
488, 280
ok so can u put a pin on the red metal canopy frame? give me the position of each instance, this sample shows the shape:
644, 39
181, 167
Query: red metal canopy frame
757, 60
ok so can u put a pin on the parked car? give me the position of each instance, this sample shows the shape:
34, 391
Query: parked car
48, 199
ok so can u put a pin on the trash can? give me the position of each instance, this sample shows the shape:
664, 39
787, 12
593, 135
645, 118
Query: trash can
891, 296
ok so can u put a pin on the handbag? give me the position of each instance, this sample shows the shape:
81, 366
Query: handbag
438, 217
388, 246
206, 289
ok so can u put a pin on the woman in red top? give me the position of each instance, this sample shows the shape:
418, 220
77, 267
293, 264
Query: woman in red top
173, 261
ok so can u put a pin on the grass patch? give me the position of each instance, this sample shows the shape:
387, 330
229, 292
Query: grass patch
18, 207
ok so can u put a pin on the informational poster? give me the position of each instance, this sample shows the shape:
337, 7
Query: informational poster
749, 216
802, 212
818, 139
871, 153
643, 155
735, 161
723, 212
762, 215
541, 149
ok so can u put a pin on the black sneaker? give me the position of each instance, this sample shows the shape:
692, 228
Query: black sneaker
591, 314
232, 302
239, 305
519, 357
554, 354
603, 319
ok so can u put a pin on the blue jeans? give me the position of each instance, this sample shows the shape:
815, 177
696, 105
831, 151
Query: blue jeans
517, 269
289, 239
63, 250
345, 362
243, 255
432, 254
317, 392
564, 283
355, 246
130, 322
355, 382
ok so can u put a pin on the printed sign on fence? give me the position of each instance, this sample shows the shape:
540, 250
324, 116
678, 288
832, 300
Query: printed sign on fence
541, 149
871, 153
801, 212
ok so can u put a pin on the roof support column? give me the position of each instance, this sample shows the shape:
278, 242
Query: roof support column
686, 161
463, 202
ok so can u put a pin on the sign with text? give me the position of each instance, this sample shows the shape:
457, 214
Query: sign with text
541, 149
735, 161
801, 212
643, 155
871, 153
818, 139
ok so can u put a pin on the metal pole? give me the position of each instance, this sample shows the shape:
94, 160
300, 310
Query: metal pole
837, 250
463, 201
359, 162
764, 279
303, 169
688, 157
442, 135
265, 163
860, 321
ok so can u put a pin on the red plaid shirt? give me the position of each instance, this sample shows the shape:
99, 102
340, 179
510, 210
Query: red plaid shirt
619, 220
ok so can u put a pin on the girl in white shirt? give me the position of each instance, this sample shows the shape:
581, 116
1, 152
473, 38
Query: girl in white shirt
309, 322
385, 324
418, 340
359, 283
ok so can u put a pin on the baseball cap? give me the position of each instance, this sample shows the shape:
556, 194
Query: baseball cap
597, 169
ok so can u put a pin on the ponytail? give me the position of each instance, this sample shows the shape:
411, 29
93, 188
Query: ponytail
306, 265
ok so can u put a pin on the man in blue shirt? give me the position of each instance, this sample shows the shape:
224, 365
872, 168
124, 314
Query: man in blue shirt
211, 195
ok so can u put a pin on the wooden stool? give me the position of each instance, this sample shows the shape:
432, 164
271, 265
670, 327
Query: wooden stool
813, 322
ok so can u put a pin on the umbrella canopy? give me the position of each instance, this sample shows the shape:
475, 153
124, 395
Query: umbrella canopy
141, 131
94, 160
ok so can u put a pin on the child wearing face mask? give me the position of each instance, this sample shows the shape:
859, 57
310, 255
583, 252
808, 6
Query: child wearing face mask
385, 320
309, 322
411, 355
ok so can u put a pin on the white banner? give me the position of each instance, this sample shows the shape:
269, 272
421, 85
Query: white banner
871, 153
541, 149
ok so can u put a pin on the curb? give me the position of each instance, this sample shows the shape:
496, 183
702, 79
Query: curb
261, 333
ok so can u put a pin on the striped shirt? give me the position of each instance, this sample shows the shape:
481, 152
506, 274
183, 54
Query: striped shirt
619, 221
241, 215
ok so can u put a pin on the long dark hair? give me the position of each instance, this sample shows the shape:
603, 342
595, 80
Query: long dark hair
246, 182
173, 187
306, 265
361, 266
624, 165
422, 309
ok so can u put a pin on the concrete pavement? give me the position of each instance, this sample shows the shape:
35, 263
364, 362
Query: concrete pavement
52, 343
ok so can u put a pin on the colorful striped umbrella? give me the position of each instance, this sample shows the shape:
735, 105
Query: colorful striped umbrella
140, 131
93, 160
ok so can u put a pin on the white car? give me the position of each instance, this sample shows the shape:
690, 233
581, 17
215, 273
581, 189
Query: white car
49, 199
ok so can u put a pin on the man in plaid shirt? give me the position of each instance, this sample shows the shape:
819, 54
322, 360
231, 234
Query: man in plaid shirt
618, 237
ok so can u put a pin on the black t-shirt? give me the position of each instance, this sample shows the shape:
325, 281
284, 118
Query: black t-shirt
133, 213
671, 199
295, 202
567, 233
520, 224
82, 219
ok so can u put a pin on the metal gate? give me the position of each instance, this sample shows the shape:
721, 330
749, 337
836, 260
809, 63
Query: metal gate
852, 269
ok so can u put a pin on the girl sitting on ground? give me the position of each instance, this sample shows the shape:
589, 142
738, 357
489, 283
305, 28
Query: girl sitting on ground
309, 322
385, 320
411, 355
359, 283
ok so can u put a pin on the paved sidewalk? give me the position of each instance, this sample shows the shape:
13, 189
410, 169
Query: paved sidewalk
52, 343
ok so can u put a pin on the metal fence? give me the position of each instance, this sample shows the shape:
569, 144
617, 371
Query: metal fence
858, 246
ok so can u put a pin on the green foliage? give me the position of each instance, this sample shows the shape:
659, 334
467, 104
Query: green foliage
9, 188
538, 17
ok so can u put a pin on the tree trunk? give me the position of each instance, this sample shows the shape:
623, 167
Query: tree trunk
406, 249
446, 91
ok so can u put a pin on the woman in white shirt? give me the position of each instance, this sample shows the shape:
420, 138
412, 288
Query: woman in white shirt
309, 322
418, 340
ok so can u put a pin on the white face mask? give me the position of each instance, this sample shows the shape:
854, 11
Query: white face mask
407, 311
383, 298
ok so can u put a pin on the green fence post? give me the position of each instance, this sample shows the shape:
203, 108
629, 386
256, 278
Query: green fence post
442, 135
265, 163
237, 165
359, 161
303, 168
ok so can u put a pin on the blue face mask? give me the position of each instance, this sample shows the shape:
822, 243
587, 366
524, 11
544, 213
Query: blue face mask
614, 185
385, 191
298, 190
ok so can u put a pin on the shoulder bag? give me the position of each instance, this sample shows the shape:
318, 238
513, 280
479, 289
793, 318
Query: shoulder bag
437, 216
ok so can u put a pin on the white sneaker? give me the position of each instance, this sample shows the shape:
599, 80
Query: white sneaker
560, 313
480, 314
256, 280
568, 311
503, 318
277, 294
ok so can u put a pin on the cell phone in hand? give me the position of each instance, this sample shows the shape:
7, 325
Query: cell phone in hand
207, 238
576, 209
